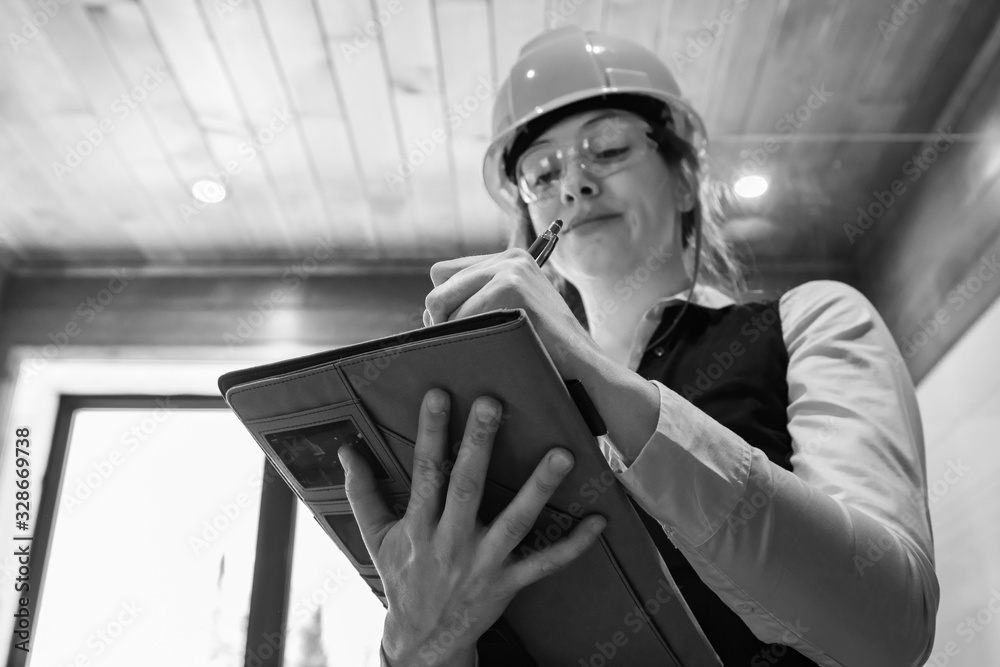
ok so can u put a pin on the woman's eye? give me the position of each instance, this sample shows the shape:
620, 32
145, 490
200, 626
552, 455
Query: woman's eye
545, 178
611, 153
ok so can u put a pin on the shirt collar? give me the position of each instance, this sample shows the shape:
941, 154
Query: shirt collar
704, 295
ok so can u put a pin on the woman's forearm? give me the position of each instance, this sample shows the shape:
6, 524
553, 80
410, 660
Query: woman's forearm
628, 404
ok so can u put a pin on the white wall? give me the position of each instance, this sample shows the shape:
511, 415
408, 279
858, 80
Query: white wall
960, 406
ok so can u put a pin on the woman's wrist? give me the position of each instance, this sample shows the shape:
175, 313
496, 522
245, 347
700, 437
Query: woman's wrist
628, 403
428, 657
445, 648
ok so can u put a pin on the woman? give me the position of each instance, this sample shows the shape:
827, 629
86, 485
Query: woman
773, 450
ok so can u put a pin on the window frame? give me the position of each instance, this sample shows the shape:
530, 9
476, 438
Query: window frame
269, 594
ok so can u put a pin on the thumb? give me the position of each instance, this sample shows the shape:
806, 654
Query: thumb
370, 510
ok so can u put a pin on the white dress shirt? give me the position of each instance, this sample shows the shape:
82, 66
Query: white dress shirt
835, 558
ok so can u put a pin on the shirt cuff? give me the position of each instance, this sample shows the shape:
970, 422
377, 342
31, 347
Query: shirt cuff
692, 472
616, 460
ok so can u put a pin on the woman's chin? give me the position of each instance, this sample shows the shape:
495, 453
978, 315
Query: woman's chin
594, 264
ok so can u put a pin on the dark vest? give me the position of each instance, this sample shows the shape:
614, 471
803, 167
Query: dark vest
731, 364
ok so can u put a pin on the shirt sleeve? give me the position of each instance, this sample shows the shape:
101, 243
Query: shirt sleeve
384, 661
834, 559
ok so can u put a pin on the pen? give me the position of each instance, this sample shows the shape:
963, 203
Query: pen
539, 251
543, 245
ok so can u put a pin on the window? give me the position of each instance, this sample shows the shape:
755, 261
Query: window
165, 543
152, 550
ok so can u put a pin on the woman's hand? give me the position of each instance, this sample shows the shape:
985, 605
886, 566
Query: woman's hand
446, 575
511, 279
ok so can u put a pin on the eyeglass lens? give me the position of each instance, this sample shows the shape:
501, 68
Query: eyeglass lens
601, 148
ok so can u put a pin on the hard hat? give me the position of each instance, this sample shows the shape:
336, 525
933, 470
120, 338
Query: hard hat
565, 66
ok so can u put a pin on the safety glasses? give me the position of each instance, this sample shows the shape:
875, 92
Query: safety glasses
602, 148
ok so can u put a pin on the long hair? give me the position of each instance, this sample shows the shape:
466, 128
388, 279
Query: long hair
719, 266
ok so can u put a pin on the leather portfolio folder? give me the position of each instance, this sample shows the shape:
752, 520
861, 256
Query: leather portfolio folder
615, 605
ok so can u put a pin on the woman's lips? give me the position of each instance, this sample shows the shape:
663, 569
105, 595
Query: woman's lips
589, 221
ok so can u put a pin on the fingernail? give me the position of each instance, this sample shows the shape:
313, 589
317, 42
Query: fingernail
486, 412
598, 524
340, 457
436, 403
560, 463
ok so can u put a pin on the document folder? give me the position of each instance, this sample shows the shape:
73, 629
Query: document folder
615, 605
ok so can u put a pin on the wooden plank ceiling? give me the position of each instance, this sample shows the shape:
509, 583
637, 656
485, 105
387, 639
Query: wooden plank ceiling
315, 115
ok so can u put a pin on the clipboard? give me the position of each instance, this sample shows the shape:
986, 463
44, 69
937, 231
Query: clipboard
617, 604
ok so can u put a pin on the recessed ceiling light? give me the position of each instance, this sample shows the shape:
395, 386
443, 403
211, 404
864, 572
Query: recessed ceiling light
750, 187
209, 192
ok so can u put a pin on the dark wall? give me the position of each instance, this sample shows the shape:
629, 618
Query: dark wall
225, 318
122, 308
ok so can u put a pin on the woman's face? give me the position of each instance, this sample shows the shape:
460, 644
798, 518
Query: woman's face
615, 223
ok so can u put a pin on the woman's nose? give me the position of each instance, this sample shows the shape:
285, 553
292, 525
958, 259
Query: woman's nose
577, 184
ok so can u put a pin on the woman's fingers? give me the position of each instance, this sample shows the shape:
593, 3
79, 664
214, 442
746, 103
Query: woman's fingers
468, 477
442, 271
444, 299
427, 480
373, 515
514, 523
511, 525
540, 565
